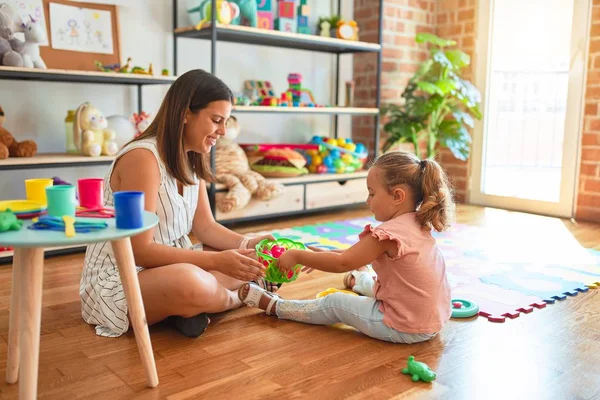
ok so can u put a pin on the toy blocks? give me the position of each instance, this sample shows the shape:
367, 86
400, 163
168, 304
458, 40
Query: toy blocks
286, 16
265, 16
303, 14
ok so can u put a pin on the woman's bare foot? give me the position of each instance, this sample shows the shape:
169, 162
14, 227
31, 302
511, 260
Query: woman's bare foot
350, 281
265, 300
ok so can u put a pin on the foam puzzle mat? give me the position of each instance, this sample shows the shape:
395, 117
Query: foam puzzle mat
505, 276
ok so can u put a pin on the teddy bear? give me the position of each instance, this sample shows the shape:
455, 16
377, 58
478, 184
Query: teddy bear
233, 171
9, 147
91, 134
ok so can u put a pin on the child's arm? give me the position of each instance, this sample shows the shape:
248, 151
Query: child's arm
362, 253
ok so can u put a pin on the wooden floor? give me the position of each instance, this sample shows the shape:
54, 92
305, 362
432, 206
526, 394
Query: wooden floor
553, 353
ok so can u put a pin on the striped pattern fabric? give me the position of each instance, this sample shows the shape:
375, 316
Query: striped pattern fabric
103, 301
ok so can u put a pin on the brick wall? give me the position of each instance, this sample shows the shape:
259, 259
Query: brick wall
453, 19
588, 196
401, 56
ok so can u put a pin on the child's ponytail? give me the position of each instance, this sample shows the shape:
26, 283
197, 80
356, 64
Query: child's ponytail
436, 208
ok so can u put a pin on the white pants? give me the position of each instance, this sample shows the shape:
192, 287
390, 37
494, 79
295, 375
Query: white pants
360, 312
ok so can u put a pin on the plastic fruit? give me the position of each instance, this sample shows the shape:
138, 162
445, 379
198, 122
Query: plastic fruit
277, 251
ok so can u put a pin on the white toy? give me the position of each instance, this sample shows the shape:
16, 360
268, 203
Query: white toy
34, 35
91, 134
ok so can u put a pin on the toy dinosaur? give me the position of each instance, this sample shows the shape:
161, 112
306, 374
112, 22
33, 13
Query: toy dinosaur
418, 370
9, 221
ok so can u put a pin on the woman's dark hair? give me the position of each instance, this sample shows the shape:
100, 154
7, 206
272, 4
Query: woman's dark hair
192, 91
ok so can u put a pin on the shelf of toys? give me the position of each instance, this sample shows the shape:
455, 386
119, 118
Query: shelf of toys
259, 96
282, 23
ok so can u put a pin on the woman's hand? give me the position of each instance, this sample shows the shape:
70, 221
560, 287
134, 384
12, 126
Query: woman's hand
256, 240
239, 264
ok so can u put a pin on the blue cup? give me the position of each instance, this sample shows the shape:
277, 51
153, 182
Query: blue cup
129, 209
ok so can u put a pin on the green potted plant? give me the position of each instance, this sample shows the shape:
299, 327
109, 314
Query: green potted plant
438, 104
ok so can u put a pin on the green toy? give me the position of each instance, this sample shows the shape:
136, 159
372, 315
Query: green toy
464, 308
418, 370
228, 12
248, 12
9, 221
268, 251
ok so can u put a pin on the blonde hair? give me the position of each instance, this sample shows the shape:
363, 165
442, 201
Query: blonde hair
428, 181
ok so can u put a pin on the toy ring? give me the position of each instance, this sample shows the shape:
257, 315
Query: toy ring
464, 308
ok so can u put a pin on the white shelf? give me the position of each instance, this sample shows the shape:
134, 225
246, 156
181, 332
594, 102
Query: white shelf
273, 38
53, 160
306, 110
64, 75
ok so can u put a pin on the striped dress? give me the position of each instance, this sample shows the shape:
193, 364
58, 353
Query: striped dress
103, 301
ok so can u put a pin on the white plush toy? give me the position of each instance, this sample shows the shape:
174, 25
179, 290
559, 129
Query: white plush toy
34, 35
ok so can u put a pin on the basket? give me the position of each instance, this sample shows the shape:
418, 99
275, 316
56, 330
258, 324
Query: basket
273, 273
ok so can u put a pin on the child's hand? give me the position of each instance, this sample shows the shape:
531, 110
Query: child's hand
287, 261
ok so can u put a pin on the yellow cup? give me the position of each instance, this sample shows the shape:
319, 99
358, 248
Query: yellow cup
35, 189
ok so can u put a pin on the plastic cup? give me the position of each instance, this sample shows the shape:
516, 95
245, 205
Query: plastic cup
91, 192
61, 200
129, 209
35, 189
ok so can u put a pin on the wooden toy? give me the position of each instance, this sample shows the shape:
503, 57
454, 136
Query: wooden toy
265, 14
286, 16
303, 14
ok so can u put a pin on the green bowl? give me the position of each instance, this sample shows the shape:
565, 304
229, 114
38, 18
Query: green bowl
273, 274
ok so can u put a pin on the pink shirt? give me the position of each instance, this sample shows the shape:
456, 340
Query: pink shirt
412, 286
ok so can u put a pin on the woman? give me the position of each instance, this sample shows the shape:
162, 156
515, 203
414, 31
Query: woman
169, 162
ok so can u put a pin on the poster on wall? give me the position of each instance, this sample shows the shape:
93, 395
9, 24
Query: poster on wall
81, 29
27, 9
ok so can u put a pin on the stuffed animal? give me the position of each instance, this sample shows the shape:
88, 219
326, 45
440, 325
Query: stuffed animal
226, 12
91, 134
11, 48
34, 35
248, 14
9, 147
141, 121
233, 171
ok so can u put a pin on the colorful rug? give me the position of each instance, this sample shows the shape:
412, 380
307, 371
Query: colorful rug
506, 275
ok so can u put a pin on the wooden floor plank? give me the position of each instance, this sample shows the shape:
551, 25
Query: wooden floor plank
552, 353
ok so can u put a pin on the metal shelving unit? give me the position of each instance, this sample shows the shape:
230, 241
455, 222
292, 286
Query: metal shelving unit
216, 32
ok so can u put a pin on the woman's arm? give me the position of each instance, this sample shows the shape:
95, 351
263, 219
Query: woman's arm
362, 253
213, 234
138, 170
209, 231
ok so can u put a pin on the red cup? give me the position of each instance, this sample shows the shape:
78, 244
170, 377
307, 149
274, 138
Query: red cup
91, 192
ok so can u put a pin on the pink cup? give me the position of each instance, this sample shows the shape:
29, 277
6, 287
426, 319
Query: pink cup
91, 192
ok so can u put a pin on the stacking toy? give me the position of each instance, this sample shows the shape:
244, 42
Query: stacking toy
464, 308
268, 251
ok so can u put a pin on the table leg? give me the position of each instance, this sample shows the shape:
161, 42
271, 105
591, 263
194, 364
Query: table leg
137, 315
12, 358
32, 262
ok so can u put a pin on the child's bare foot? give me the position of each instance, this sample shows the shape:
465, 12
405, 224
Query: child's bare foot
255, 296
349, 280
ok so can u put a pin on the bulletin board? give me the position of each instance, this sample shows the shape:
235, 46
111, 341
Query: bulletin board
72, 30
